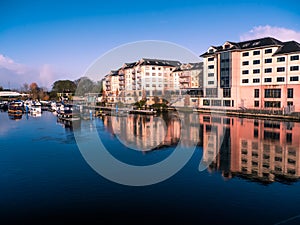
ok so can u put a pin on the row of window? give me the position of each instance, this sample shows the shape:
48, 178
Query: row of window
159, 68
269, 79
279, 59
269, 70
208, 102
268, 60
274, 93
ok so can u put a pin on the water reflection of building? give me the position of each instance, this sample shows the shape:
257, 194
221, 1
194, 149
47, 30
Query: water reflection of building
260, 150
149, 132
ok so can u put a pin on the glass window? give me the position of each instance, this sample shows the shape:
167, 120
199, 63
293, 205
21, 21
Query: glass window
211, 59
210, 66
280, 69
245, 72
245, 53
267, 80
294, 57
268, 60
257, 52
226, 103
256, 103
290, 92
244, 81
211, 82
294, 78
245, 63
294, 68
272, 93
256, 93
227, 93
268, 70
269, 50
281, 59
256, 80
256, 62
280, 79
211, 74
153, 68
256, 71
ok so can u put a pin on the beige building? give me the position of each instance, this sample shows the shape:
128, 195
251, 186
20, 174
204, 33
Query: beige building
256, 74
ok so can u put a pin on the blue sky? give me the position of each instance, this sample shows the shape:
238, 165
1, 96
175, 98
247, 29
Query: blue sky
49, 40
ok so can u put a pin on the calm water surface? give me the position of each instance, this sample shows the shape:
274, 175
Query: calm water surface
254, 178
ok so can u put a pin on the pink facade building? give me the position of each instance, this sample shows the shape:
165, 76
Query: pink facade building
261, 74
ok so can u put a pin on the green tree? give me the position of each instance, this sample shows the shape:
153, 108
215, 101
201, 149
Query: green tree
84, 85
64, 86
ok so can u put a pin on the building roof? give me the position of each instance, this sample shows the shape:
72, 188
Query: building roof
9, 94
288, 47
159, 62
129, 65
285, 47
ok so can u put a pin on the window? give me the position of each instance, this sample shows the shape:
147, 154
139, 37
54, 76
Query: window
268, 60
272, 104
256, 71
294, 68
256, 80
206, 102
211, 82
267, 51
216, 102
226, 103
147, 73
294, 78
294, 57
268, 80
227, 46
153, 68
272, 93
256, 103
210, 66
245, 53
280, 69
290, 92
245, 63
290, 103
280, 79
227, 93
211, 74
211, 59
268, 70
257, 52
256, 93
256, 62
281, 59
244, 81
211, 92
245, 72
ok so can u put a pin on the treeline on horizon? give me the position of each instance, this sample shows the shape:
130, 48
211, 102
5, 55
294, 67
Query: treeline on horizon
80, 86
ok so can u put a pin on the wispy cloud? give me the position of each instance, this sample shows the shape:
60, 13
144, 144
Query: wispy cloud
14, 75
281, 33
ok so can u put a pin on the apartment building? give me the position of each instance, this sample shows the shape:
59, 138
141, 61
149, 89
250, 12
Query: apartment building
255, 74
150, 77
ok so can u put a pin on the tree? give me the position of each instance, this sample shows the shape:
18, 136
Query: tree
34, 90
64, 86
25, 88
84, 85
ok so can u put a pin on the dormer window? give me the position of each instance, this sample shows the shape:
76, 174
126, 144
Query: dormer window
210, 50
227, 46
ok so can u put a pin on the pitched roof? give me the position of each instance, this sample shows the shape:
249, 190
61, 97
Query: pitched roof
288, 47
159, 62
251, 44
129, 65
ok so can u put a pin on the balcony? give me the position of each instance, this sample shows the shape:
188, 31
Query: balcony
121, 78
185, 74
133, 77
184, 80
